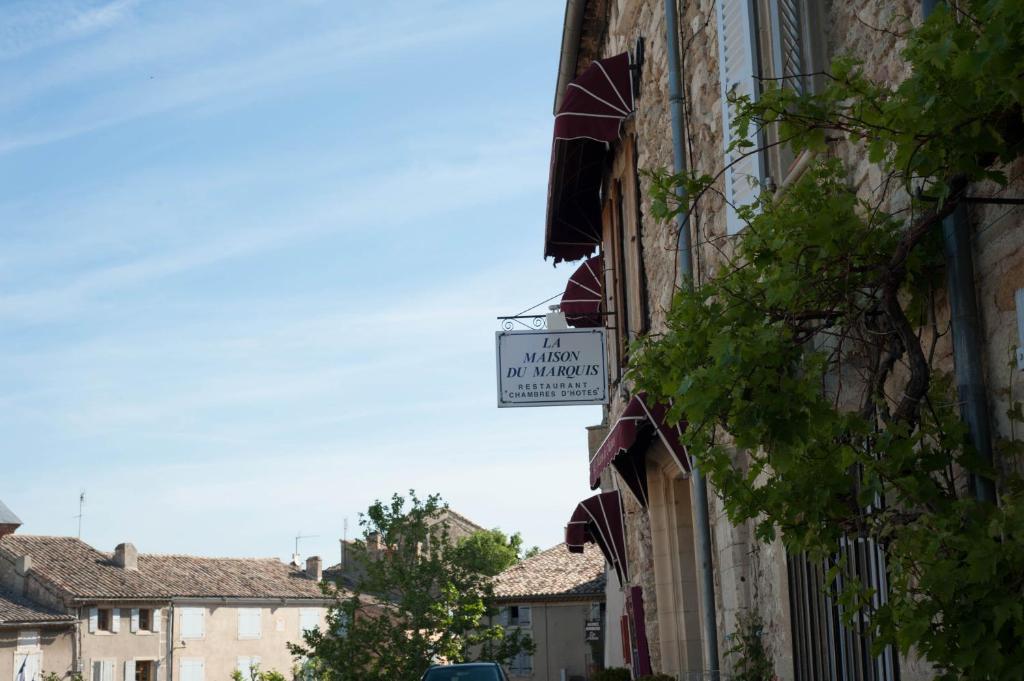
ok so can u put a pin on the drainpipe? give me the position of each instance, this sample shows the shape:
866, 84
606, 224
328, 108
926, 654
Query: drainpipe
966, 333
698, 483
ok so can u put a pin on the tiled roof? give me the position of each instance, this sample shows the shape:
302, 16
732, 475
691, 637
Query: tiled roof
83, 572
80, 570
192, 576
17, 610
554, 574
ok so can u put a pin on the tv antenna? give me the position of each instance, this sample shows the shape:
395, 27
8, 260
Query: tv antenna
298, 538
81, 511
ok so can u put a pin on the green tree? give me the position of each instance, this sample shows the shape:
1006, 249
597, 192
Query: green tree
489, 551
419, 599
807, 367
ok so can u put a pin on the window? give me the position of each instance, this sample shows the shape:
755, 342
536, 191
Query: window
102, 670
516, 616
192, 669
309, 618
104, 619
28, 640
824, 646
143, 619
521, 664
28, 666
143, 670
250, 623
193, 623
247, 666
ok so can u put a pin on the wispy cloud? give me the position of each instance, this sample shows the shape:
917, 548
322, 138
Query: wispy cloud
37, 24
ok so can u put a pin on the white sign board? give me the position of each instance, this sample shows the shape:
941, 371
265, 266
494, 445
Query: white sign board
551, 368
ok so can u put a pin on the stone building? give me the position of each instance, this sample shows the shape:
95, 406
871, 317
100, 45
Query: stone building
125, 616
557, 598
617, 53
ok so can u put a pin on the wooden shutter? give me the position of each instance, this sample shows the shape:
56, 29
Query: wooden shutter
129, 670
788, 38
525, 615
154, 620
737, 57
108, 670
94, 620
134, 626
115, 620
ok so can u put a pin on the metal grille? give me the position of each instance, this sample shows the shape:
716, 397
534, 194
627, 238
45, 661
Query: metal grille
825, 647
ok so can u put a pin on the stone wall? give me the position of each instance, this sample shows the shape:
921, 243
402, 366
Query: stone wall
749, 573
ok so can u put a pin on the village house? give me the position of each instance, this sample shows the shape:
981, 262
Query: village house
125, 616
651, 518
556, 597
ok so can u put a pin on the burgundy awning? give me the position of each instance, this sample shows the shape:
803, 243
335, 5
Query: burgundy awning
596, 103
626, 445
599, 520
574, 199
581, 302
590, 118
641, 654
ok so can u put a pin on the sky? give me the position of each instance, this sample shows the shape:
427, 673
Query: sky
251, 256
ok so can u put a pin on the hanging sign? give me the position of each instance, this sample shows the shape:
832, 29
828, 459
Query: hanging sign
551, 368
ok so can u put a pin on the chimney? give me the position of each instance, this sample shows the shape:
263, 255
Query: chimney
8, 521
315, 568
126, 556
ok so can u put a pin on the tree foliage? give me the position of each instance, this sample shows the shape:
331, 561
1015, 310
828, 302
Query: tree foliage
489, 551
812, 351
418, 601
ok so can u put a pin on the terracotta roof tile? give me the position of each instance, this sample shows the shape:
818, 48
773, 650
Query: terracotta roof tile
17, 610
79, 569
197, 577
83, 572
554, 573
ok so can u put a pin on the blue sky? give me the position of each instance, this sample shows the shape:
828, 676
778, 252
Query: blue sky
251, 253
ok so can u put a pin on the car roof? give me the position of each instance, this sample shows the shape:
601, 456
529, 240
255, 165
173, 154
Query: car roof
467, 664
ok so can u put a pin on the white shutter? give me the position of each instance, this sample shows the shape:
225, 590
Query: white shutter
503, 617
192, 669
129, 670
108, 670
154, 620
29, 664
115, 620
135, 621
250, 623
94, 620
192, 623
97, 670
309, 618
737, 57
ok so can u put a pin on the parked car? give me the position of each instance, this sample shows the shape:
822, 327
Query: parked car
469, 671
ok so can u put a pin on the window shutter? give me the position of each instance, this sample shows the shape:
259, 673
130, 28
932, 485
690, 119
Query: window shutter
788, 39
97, 671
525, 615
108, 670
503, 617
154, 620
737, 57
134, 626
129, 670
94, 620
115, 620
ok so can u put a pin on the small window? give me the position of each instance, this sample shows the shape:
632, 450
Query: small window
521, 665
103, 620
250, 623
309, 619
28, 640
192, 624
145, 620
143, 670
518, 616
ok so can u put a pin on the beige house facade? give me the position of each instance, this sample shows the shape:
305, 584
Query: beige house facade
557, 598
658, 604
34, 639
126, 616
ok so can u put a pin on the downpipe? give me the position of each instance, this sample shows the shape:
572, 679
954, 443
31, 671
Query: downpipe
698, 483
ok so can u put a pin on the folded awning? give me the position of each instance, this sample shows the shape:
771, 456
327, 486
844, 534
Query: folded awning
596, 103
599, 520
589, 119
581, 302
626, 445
